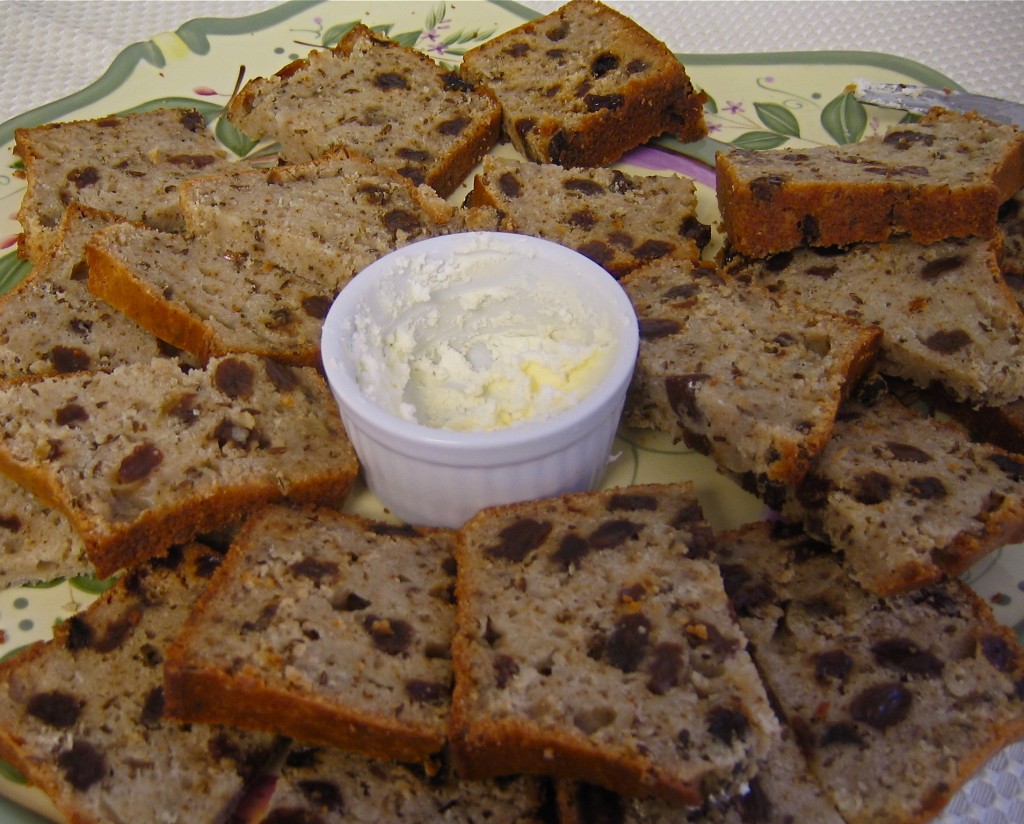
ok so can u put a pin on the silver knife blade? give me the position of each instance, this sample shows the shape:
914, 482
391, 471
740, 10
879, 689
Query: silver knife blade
919, 99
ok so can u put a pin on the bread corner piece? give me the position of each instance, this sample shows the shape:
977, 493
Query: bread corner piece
594, 642
584, 85
328, 628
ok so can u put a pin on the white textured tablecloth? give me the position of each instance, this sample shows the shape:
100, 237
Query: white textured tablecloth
52, 48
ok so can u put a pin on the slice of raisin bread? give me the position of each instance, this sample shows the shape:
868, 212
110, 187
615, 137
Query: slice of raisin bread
741, 375
37, 544
584, 85
206, 302
149, 455
618, 220
946, 314
81, 716
373, 96
128, 165
324, 220
944, 176
782, 792
51, 324
895, 701
594, 642
908, 498
331, 786
268, 253
327, 628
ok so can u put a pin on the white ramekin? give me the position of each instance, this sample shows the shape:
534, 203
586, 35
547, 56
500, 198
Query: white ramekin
440, 477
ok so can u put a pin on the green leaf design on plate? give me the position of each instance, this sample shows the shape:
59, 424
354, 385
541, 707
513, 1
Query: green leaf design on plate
759, 140
407, 39
45, 584
336, 32
436, 15
239, 143
92, 584
778, 118
710, 105
12, 270
845, 119
11, 774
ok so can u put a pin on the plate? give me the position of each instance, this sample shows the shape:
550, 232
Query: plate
757, 101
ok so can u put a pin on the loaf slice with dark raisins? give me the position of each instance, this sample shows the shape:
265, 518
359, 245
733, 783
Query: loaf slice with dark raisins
584, 85
782, 792
149, 455
51, 324
1011, 226
895, 701
750, 379
945, 311
128, 165
374, 96
594, 642
267, 252
327, 628
618, 220
908, 498
331, 786
944, 176
81, 716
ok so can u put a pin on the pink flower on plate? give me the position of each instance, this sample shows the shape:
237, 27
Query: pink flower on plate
733, 107
8, 242
204, 91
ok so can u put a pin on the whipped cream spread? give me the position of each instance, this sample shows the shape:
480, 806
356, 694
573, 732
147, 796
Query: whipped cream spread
479, 341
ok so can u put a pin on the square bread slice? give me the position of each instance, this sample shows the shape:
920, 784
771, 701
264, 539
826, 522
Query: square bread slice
944, 176
326, 785
895, 701
584, 85
618, 220
129, 165
81, 716
908, 498
378, 98
53, 325
748, 378
149, 455
595, 642
327, 628
945, 311
267, 252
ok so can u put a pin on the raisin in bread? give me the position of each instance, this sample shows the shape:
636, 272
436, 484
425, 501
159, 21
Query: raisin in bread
895, 701
782, 792
584, 85
128, 165
908, 498
81, 715
51, 324
750, 379
946, 314
618, 220
1011, 225
374, 96
594, 642
942, 177
327, 628
331, 786
149, 455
